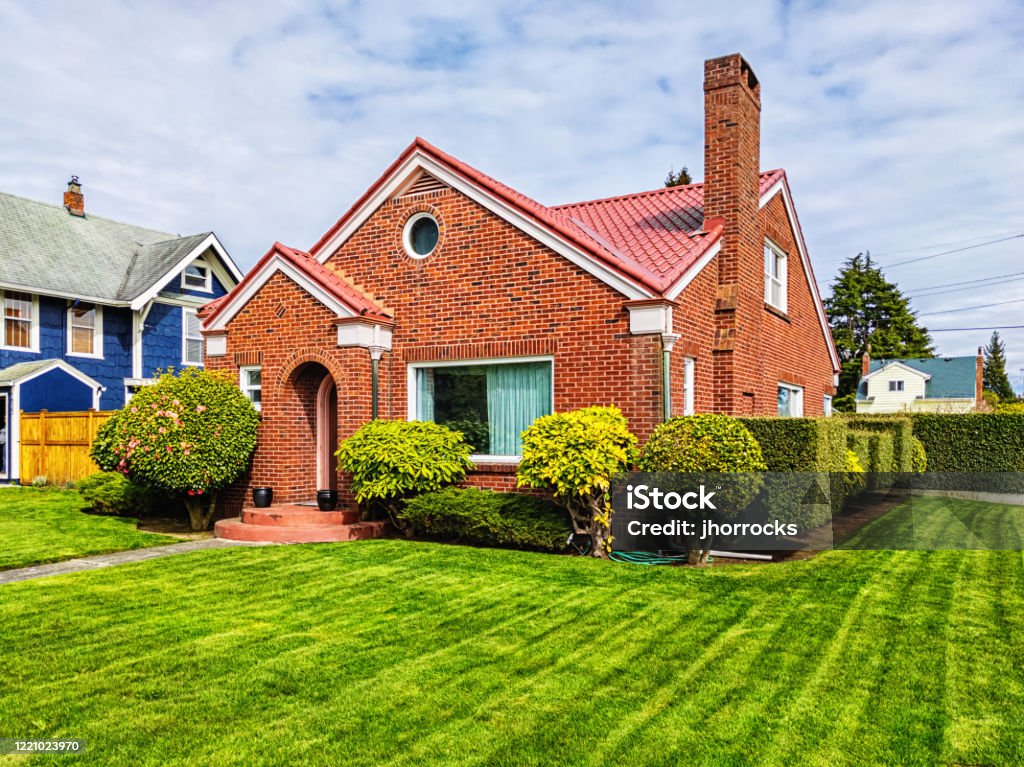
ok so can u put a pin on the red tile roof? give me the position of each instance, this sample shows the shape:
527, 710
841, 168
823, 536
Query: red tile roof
344, 291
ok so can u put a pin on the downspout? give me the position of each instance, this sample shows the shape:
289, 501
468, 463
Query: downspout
375, 354
668, 340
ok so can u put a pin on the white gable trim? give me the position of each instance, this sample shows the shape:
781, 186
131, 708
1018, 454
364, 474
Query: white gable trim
418, 161
227, 272
780, 186
72, 371
260, 278
900, 365
690, 274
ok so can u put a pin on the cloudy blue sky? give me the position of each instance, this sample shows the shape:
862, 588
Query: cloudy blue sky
901, 125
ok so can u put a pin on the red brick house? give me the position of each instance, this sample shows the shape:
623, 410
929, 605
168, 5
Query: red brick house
443, 294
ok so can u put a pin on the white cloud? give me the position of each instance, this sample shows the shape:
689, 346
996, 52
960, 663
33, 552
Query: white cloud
899, 124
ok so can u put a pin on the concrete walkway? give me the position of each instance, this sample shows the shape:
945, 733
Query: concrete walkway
117, 558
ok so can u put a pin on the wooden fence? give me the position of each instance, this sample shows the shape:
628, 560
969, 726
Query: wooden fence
56, 445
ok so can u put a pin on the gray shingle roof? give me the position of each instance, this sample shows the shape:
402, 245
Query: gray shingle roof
951, 377
22, 369
45, 249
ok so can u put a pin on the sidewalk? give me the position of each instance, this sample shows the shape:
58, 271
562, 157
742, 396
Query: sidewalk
117, 558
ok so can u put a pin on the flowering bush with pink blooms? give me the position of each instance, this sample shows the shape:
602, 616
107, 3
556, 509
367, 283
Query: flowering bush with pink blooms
188, 435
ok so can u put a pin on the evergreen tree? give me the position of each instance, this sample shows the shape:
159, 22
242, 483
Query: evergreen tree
866, 311
994, 376
682, 178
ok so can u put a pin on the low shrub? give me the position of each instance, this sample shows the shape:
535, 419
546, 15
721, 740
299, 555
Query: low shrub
488, 518
576, 455
854, 477
110, 492
975, 442
391, 461
40, 480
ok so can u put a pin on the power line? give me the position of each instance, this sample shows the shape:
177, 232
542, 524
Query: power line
967, 282
955, 250
968, 308
957, 330
942, 244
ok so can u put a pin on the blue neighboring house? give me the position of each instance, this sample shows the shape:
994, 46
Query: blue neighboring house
92, 307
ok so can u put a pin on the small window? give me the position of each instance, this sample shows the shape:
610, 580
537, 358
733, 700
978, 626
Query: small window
192, 339
896, 385
19, 332
421, 235
490, 404
251, 383
826, 404
790, 401
85, 330
197, 277
774, 277
688, 366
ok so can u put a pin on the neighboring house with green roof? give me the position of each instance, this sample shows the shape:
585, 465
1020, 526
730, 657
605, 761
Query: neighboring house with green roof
91, 307
937, 384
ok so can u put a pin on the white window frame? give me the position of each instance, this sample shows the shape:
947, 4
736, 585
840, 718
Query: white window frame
5, 446
796, 397
411, 390
207, 286
185, 338
689, 364
132, 386
33, 327
97, 334
897, 385
826, 404
407, 235
246, 387
781, 261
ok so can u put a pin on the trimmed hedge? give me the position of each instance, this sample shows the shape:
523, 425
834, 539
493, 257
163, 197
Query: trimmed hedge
978, 442
488, 518
900, 427
877, 454
109, 492
806, 445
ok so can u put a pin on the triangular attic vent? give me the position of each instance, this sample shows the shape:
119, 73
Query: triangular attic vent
422, 184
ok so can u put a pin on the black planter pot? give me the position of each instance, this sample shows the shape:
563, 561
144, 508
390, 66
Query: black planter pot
262, 497
327, 500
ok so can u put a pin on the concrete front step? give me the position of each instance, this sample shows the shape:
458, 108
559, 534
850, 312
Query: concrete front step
237, 530
298, 516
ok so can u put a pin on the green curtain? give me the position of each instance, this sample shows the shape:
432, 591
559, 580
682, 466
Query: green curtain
425, 394
517, 394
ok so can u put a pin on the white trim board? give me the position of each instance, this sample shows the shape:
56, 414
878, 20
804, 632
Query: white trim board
418, 161
259, 279
690, 274
805, 260
902, 365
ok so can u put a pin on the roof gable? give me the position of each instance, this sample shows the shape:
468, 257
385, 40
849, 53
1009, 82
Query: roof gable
331, 289
947, 377
45, 250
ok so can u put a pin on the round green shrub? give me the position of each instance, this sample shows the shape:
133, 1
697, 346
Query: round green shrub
187, 435
393, 460
702, 443
576, 455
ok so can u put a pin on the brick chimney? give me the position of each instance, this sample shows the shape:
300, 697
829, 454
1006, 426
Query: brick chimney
979, 376
732, 153
74, 201
865, 364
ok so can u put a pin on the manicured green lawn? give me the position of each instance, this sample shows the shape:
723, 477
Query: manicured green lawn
403, 653
40, 525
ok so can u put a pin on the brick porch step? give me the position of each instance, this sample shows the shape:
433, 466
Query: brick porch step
237, 530
298, 516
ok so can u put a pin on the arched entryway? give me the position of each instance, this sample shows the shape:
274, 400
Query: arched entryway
326, 434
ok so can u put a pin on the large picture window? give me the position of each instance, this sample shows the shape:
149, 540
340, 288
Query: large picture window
491, 404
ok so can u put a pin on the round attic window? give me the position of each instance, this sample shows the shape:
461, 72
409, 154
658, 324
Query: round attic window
421, 235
